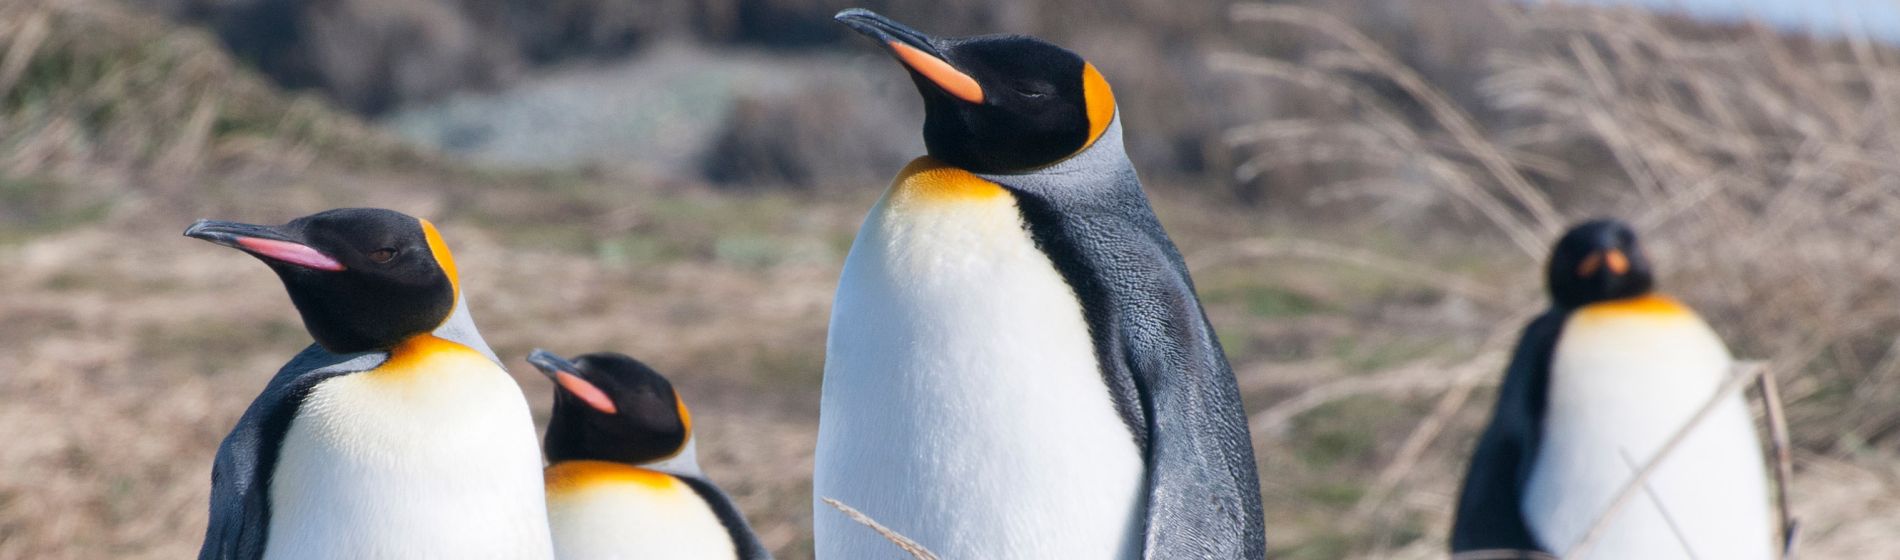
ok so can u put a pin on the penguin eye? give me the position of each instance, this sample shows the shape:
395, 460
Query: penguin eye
381, 256
1031, 90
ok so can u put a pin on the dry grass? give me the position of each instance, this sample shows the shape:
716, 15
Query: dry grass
1758, 167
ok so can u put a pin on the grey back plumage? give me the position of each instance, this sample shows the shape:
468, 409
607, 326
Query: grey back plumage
1158, 353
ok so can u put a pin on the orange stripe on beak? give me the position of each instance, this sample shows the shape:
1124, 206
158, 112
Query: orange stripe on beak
293, 253
587, 392
1618, 262
1590, 264
953, 81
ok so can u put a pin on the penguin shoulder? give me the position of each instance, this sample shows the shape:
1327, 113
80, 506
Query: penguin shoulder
246, 460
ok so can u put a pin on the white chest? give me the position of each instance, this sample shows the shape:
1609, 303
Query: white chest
656, 519
962, 404
1623, 380
441, 463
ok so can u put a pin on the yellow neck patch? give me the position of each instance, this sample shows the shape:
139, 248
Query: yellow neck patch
1647, 305
423, 354
440, 251
570, 476
927, 180
1100, 101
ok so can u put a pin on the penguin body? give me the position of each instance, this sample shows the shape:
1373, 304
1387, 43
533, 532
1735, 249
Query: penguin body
962, 395
397, 435
1598, 385
1623, 374
1017, 365
601, 509
623, 479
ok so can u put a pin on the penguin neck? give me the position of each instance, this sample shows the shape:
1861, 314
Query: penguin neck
684, 462
1650, 307
460, 329
1105, 153
1646, 303
576, 432
578, 474
930, 181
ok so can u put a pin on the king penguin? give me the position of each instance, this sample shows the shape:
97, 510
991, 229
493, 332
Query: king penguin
397, 434
1017, 364
623, 480
1596, 386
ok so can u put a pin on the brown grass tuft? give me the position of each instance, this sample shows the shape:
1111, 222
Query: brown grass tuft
1758, 167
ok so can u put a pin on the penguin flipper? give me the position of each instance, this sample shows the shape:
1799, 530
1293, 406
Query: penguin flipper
745, 542
240, 476
1162, 363
1204, 491
1489, 515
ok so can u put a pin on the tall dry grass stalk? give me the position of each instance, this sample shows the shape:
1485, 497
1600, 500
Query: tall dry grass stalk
916, 551
1762, 170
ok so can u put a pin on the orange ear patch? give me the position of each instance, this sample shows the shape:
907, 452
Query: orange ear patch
440, 250
1100, 101
587, 392
954, 81
686, 418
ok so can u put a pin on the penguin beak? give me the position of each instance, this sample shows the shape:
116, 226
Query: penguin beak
567, 376
917, 51
1614, 259
264, 242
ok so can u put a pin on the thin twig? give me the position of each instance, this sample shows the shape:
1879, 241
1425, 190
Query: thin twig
1784, 458
27, 39
1747, 373
1271, 421
1223, 255
916, 551
1669, 520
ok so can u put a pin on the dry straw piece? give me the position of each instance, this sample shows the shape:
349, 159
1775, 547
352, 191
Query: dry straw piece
917, 551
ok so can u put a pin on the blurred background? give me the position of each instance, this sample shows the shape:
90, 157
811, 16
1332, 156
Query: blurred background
1365, 191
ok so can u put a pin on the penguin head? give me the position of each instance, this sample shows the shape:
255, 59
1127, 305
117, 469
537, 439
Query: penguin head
997, 103
609, 407
363, 279
1598, 260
